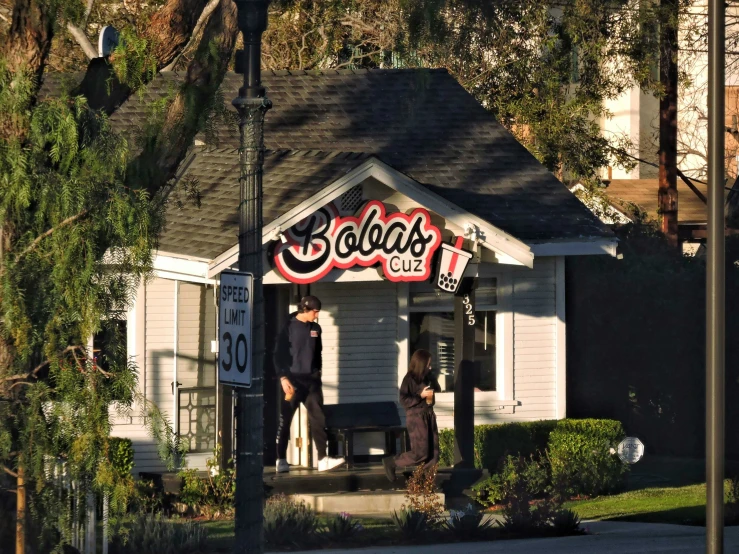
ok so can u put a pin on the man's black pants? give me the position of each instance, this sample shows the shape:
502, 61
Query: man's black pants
308, 391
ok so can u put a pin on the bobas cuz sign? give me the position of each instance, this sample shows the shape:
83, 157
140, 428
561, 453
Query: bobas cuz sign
402, 244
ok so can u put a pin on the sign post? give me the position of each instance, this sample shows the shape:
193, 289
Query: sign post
235, 329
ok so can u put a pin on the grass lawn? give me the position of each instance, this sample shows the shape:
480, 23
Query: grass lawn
684, 505
660, 490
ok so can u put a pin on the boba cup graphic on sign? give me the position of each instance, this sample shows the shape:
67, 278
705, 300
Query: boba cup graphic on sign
452, 263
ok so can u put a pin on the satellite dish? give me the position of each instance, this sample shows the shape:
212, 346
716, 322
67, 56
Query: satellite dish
107, 41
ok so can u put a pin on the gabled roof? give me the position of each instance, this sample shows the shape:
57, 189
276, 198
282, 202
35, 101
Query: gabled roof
420, 122
290, 177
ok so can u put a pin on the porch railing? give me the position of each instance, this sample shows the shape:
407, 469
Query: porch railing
197, 418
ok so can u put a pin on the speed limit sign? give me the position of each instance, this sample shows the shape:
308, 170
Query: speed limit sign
234, 328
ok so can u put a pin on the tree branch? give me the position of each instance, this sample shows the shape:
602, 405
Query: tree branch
88, 11
39, 367
9, 472
42, 236
84, 42
202, 20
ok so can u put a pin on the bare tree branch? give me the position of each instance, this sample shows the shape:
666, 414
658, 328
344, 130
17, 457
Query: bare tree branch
88, 10
202, 20
84, 42
10, 472
42, 236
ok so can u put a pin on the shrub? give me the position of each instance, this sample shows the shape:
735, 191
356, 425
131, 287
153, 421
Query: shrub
287, 522
421, 494
565, 522
212, 495
494, 442
466, 524
341, 527
581, 458
533, 473
411, 523
154, 535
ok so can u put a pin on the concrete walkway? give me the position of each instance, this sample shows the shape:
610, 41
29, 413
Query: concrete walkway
606, 537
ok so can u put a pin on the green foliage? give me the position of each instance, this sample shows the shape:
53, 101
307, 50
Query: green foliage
76, 241
411, 523
582, 457
342, 527
565, 522
494, 442
132, 60
287, 522
532, 473
121, 455
467, 524
148, 534
212, 495
148, 498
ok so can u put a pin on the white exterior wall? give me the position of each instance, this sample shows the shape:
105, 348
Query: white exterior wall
360, 356
536, 344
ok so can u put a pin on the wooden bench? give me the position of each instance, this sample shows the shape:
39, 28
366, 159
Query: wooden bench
343, 421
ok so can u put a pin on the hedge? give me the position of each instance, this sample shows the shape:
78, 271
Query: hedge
493, 442
579, 452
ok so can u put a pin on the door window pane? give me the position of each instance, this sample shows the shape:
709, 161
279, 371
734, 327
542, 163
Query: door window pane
435, 332
485, 351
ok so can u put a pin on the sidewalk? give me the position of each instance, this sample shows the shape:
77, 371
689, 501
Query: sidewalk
606, 537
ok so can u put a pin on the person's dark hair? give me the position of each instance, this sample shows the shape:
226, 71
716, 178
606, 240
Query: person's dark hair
419, 366
308, 303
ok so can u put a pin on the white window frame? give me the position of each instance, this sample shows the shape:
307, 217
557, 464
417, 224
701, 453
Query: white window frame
503, 336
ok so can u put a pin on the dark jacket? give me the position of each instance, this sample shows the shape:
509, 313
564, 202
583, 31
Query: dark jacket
410, 393
298, 349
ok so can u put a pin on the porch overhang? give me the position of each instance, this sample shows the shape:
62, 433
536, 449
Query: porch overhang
507, 249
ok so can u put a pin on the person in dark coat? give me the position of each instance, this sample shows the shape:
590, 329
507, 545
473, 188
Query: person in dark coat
298, 364
417, 397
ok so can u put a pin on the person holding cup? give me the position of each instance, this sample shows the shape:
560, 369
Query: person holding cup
417, 398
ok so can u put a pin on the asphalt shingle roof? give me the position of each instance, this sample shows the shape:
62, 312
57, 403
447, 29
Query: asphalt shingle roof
420, 122
290, 177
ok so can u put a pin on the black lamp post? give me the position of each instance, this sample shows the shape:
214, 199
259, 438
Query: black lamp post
252, 105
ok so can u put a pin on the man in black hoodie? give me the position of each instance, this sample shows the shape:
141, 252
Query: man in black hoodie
298, 365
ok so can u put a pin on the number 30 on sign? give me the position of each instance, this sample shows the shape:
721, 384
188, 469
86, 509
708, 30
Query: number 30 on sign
234, 328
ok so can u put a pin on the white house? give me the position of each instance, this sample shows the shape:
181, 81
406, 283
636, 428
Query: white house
404, 147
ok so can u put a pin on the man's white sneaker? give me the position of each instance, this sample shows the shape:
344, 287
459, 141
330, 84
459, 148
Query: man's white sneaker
328, 464
282, 466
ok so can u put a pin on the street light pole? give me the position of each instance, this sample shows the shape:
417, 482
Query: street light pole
715, 280
252, 105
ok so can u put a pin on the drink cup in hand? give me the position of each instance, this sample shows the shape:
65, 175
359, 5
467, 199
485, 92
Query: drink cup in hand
429, 398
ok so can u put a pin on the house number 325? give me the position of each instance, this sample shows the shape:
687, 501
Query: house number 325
468, 311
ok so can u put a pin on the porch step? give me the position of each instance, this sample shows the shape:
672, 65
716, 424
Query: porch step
360, 479
357, 503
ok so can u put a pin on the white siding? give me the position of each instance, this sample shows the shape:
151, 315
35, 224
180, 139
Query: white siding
154, 355
532, 297
360, 356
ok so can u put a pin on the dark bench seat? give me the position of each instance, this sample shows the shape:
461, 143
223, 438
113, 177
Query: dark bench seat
343, 421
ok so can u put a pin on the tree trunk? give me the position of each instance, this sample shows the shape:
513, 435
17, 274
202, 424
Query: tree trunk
204, 76
31, 31
667, 196
168, 33
20, 511
171, 28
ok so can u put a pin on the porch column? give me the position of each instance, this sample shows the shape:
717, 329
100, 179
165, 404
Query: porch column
464, 387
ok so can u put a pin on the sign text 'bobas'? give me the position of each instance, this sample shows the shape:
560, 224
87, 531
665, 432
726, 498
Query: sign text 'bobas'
403, 244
